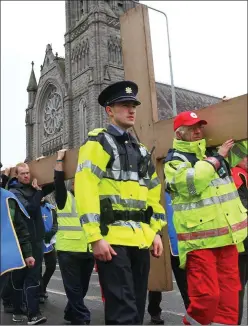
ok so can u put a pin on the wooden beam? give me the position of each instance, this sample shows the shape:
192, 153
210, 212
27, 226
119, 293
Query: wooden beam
138, 67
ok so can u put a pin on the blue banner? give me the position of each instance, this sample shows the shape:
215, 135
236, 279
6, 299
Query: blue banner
11, 255
171, 229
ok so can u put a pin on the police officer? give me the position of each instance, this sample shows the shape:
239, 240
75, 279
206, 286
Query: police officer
117, 194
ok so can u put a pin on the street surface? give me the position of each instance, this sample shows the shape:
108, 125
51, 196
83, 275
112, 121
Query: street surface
172, 305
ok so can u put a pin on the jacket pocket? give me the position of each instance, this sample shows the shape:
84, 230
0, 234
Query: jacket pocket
73, 235
194, 219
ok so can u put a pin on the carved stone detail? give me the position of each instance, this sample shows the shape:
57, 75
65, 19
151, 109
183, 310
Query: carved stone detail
114, 50
113, 22
80, 57
52, 146
79, 30
53, 115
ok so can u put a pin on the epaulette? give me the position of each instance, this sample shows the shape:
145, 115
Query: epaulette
96, 131
142, 145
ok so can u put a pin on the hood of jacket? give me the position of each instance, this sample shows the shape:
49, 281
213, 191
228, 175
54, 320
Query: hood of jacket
26, 189
196, 147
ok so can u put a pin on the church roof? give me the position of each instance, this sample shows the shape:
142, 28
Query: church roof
185, 100
32, 84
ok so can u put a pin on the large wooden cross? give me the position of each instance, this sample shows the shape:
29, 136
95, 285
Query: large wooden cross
225, 120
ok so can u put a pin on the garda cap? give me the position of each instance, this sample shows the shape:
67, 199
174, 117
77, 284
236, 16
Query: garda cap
187, 118
119, 92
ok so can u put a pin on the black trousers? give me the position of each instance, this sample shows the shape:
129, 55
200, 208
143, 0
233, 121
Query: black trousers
243, 273
155, 298
50, 259
26, 282
7, 292
3, 282
181, 279
124, 282
76, 269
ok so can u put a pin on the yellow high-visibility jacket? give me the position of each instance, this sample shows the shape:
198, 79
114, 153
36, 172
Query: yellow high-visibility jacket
208, 212
70, 236
108, 168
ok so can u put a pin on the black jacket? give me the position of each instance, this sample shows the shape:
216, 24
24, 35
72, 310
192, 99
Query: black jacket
31, 200
21, 229
4, 180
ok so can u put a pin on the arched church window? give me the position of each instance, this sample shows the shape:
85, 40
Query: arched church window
53, 115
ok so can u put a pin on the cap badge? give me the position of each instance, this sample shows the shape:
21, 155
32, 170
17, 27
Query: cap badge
193, 115
128, 90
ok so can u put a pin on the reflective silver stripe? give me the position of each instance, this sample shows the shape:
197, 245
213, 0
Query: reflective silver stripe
129, 224
94, 169
220, 181
159, 216
190, 181
153, 183
116, 164
125, 176
127, 203
90, 218
191, 320
182, 166
73, 208
67, 214
181, 156
69, 228
206, 202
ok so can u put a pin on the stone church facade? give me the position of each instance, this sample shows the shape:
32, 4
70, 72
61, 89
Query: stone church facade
63, 106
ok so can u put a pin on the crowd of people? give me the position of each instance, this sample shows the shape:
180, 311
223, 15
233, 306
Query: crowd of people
112, 219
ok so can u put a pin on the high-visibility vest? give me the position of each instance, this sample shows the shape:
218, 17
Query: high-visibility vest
107, 170
47, 215
238, 152
208, 212
11, 255
70, 235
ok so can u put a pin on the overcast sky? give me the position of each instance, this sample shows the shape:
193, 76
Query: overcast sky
208, 45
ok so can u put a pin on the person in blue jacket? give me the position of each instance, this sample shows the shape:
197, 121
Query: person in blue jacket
49, 216
155, 297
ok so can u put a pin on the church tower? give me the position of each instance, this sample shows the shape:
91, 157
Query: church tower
93, 60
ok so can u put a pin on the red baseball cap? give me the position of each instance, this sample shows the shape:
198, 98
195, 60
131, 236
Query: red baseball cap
187, 118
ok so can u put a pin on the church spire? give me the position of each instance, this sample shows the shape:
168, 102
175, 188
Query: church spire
32, 85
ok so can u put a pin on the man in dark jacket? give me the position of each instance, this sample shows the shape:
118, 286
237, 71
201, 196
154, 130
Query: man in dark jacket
30, 196
240, 177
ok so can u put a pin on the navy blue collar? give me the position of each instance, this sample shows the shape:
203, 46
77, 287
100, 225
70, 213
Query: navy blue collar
112, 130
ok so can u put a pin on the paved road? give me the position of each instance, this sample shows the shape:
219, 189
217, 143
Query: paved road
172, 305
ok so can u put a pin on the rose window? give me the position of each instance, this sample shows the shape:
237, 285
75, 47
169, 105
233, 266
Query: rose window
53, 113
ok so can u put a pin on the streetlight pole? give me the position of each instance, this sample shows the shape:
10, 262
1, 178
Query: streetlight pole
173, 92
